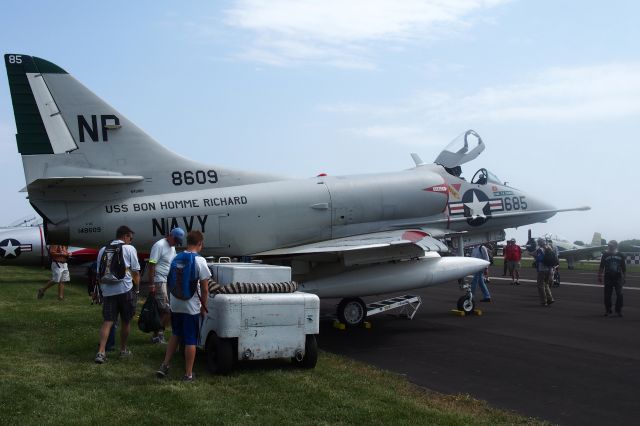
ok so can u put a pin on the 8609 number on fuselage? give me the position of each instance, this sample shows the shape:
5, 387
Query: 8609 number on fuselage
197, 177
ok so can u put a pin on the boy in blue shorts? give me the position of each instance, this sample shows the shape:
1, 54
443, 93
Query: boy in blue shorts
185, 314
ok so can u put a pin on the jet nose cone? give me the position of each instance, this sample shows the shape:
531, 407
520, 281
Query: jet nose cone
473, 265
451, 268
536, 203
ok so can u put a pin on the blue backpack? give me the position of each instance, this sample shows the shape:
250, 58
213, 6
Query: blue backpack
182, 280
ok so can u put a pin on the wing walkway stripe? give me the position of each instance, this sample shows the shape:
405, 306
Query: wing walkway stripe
563, 283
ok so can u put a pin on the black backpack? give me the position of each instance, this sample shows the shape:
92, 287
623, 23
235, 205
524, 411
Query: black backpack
112, 266
149, 320
550, 258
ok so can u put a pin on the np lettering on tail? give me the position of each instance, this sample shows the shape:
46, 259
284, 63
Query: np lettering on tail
108, 121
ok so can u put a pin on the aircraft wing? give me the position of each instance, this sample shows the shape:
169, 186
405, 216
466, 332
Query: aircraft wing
367, 248
582, 252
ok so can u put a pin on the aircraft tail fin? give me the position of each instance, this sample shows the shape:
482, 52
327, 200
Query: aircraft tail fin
597, 239
65, 130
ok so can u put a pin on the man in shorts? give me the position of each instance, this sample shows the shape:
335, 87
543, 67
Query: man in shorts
512, 257
59, 270
185, 314
162, 253
119, 297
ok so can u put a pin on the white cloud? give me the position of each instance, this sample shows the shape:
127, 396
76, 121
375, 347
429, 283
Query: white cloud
338, 32
568, 95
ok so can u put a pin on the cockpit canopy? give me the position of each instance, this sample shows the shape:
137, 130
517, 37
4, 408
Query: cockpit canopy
462, 149
484, 176
555, 237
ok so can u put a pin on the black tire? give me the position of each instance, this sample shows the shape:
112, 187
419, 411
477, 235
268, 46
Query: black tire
219, 354
310, 358
466, 304
352, 311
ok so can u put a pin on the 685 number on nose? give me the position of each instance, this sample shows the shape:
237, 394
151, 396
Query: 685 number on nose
197, 177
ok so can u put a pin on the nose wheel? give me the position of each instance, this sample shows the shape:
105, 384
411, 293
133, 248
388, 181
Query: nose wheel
466, 303
352, 311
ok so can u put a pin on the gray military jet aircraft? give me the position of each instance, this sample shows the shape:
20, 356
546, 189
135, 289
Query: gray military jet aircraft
569, 251
23, 243
89, 170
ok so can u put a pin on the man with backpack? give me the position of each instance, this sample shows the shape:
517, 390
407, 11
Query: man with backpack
119, 276
614, 267
545, 259
162, 253
59, 270
188, 292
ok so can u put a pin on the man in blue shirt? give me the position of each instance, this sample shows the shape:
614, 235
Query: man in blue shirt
614, 267
544, 274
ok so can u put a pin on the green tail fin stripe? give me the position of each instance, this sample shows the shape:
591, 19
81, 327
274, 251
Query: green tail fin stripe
32, 136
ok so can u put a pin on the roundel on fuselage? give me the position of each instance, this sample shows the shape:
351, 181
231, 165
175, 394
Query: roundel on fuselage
477, 208
10, 248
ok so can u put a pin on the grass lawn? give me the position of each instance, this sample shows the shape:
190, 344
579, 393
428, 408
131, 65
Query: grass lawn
48, 376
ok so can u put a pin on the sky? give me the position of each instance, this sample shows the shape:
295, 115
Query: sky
301, 87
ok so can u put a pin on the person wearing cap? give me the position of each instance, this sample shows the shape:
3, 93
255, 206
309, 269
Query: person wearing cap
512, 256
613, 266
544, 274
162, 253
119, 297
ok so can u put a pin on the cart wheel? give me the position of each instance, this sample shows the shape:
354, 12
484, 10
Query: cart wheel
310, 353
219, 354
466, 304
352, 311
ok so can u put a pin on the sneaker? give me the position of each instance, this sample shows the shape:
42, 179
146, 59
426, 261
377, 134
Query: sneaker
606, 314
189, 379
619, 314
517, 282
125, 353
40, 293
158, 340
163, 371
544, 304
550, 302
100, 358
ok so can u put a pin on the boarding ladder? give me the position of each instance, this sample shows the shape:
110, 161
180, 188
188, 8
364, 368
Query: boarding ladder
409, 304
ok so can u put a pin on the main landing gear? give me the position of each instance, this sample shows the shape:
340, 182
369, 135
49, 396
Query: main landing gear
352, 311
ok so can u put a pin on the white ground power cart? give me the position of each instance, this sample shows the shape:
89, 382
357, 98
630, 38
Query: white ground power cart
254, 314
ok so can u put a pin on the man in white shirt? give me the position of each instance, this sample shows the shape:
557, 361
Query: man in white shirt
185, 314
162, 253
119, 296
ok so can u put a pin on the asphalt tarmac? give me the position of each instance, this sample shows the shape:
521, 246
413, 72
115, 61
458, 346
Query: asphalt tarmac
564, 363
